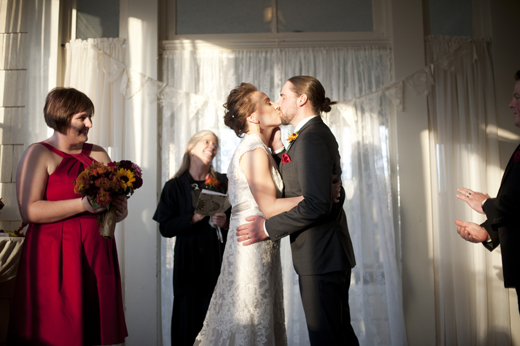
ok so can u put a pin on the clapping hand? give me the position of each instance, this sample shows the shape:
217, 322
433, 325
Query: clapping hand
473, 198
471, 232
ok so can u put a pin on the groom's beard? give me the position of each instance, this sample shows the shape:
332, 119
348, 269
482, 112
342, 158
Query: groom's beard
285, 119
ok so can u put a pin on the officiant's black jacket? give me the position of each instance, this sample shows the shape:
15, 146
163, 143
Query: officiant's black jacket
320, 240
198, 252
503, 222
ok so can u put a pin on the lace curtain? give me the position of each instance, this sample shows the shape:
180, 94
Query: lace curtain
361, 128
93, 73
472, 306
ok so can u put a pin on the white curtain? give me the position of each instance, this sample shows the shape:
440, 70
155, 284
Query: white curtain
205, 77
89, 69
472, 306
42, 61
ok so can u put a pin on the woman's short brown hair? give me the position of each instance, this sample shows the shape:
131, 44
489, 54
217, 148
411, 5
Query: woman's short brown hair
517, 75
315, 92
240, 104
61, 104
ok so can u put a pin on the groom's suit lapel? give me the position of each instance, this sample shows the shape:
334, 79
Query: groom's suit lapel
314, 121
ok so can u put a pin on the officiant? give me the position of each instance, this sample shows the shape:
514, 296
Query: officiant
200, 239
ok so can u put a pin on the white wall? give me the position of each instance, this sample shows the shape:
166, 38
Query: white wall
138, 24
13, 69
413, 159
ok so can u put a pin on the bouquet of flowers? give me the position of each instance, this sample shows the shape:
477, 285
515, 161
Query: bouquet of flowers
101, 183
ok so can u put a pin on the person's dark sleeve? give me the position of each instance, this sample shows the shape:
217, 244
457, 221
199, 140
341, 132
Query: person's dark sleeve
314, 166
504, 209
174, 210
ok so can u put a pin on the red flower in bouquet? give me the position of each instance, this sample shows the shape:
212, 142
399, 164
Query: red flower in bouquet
285, 158
101, 183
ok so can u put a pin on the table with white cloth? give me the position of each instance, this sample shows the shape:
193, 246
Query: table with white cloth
10, 252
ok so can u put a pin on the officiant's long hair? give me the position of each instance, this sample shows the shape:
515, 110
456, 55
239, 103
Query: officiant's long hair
186, 159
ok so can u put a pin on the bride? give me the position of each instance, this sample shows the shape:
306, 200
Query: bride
247, 305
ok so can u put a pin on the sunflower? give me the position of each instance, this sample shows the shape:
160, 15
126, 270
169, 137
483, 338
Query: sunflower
125, 177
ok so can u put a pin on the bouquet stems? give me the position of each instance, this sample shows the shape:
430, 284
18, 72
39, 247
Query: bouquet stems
108, 224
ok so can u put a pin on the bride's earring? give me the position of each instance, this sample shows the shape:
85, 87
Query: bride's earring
258, 127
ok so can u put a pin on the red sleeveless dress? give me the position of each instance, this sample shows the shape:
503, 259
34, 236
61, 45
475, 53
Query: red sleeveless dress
68, 289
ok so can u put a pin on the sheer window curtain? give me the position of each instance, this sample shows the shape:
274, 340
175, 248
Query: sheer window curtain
472, 306
95, 74
204, 79
92, 72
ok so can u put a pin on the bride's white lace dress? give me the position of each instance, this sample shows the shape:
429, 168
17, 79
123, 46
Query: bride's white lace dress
247, 305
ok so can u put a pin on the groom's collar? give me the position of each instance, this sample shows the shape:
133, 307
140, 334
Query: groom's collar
303, 122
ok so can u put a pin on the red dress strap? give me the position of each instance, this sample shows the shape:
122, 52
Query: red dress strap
54, 150
82, 157
87, 148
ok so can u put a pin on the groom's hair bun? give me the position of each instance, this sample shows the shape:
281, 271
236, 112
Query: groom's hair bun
325, 106
315, 92
240, 104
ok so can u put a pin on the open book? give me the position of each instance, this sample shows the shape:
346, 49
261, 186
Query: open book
211, 202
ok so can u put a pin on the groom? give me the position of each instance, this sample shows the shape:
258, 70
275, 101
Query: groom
320, 242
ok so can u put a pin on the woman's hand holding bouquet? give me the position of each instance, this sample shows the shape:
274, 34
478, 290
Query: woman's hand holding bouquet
106, 188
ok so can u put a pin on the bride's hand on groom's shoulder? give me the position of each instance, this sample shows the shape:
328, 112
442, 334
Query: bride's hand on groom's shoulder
252, 232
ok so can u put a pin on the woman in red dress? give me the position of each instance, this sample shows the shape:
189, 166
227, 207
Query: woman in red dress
68, 289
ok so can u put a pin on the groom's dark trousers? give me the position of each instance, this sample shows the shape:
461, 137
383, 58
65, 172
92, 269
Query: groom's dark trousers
320, 242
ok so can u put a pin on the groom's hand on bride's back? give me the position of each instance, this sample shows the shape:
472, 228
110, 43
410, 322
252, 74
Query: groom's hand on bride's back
252, 232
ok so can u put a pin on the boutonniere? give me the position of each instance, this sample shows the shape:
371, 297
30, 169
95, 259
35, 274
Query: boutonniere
517, 156
285, 158
212, 183
292, 137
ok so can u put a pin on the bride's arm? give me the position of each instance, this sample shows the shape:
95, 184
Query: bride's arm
255, 165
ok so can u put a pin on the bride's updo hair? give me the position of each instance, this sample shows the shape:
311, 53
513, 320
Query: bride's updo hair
239, 106
315, 92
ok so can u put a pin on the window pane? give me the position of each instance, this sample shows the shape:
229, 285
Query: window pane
223, 17
451, 18
97, 18
324, 15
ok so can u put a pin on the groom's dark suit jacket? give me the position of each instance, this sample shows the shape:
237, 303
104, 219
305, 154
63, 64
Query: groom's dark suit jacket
320, 240
503, 221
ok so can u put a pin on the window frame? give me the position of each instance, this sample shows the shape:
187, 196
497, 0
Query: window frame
171, 41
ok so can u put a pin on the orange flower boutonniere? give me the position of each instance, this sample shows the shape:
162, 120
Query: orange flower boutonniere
292, 137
